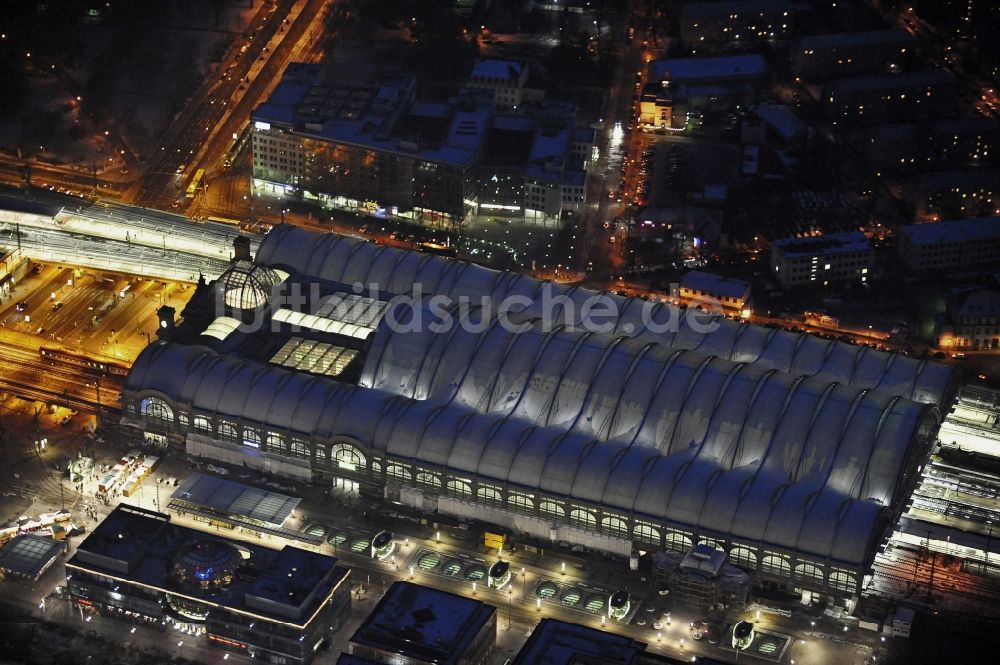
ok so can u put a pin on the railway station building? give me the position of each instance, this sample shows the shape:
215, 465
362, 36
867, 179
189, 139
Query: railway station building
790, 453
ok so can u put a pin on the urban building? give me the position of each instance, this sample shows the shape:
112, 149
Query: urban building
555, 642
939, 195
939, 144
708, 290
891, 97
972, 323
834, 258
958, 245
679, 85
380, 151
276, 605
821, 57
701, 576
505, 79
418, 625
736, 21
654, 432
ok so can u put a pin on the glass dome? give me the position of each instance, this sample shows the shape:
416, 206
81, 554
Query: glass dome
246, 285
206, 565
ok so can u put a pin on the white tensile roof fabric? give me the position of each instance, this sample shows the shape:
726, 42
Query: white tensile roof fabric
348, 261
761, 435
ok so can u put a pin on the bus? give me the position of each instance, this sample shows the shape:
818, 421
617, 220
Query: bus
195, 183
79, 361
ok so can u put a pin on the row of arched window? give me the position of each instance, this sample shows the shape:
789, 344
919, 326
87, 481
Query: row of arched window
350, 458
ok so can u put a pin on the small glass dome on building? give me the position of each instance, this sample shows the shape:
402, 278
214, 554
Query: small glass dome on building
246, 285
206, 565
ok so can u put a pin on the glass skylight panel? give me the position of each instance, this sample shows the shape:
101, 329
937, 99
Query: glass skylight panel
314, 357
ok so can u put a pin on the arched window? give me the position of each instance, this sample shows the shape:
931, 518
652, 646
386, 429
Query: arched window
522, 503
843, 581
251, 438
228, 432
428, 480
300, 448
777, 566
712, 543
156, 410
346, 456
677, 542
398, 472
489, 495
459, 488
552, 509
202, 424
320, 453
744, 557
646, 533
615, 526
583, 518
183, 421
807, 572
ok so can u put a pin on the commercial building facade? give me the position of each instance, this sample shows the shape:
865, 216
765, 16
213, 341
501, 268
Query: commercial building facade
834, 258
418, 625
380, 151
973, 322
705, 289
616, 440
278, 606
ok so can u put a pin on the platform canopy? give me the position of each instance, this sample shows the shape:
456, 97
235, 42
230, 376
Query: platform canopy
228, 497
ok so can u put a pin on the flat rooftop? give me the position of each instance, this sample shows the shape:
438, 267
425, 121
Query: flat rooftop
142, 546
497, 69
956, 230
679, 70
556, 642
831, 243
424, 623
714, 284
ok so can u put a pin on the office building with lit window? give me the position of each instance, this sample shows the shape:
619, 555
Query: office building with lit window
379, 150
834, 258
645, 434
279, 606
